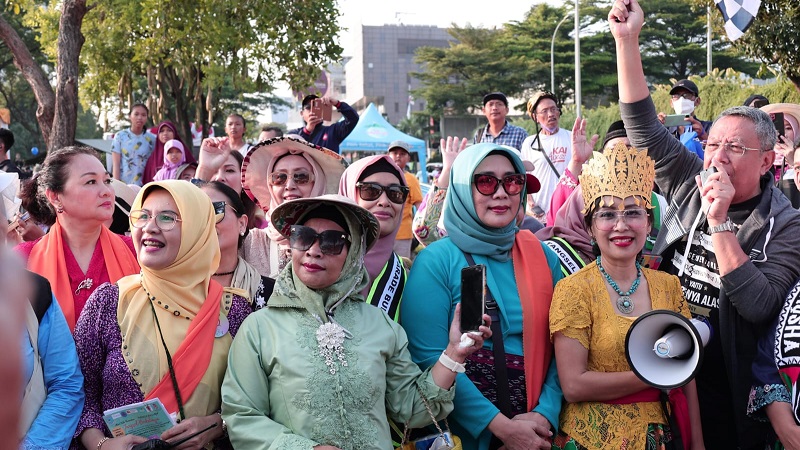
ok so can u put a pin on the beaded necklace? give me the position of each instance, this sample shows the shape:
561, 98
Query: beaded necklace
624, 302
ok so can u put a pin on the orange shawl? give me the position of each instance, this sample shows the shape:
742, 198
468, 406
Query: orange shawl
193, 356
48, 260
535, 287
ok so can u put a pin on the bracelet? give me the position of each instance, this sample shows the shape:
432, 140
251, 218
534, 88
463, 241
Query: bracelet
101, 442
224, 426
452, 365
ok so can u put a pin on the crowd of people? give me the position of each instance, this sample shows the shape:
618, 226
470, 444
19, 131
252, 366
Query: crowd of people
268, 295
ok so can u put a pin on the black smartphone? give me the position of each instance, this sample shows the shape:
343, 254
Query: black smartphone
777, 120
473, 297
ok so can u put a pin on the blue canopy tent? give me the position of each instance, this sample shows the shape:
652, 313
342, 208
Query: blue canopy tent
373, 134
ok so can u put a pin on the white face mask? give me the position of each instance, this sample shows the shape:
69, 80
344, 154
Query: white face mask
683, 106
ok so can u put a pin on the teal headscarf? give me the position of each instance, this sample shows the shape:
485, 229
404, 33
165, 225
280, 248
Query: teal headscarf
461, 220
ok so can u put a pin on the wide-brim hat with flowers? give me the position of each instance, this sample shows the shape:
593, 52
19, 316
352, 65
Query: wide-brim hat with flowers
259, 161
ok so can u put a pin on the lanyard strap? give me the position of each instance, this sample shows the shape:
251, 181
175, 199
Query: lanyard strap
386, 291
169, 363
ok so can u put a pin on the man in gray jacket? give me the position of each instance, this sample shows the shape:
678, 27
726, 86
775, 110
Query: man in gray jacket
732, 240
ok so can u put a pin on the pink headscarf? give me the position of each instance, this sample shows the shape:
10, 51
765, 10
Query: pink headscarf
379, 254
169, 171
156, 159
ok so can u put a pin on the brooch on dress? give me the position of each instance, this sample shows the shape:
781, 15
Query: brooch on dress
330, 340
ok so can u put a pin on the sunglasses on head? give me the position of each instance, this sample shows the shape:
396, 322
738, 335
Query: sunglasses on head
488, 184
331, 242
219, 211
372, 191
299, 178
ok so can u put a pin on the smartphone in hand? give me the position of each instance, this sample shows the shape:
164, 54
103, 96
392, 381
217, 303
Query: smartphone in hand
777, 120
316, 107
676, 120
473, 297
327, 112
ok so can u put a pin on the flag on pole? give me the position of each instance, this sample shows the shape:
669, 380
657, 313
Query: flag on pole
738, 15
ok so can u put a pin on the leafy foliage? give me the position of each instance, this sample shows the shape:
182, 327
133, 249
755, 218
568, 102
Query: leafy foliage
773, 37
515, 59
189, 60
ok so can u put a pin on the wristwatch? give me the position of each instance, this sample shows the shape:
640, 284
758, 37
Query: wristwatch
728, 225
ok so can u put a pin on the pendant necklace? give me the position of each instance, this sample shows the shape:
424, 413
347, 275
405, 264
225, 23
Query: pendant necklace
624, 302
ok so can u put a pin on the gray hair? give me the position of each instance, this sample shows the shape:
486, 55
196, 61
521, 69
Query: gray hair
764, 128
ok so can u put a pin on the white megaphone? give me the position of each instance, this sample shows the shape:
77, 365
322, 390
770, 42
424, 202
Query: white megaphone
665, 349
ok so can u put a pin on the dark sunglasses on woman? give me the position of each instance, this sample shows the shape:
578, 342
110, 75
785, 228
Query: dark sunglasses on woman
369, 191
219, 211
488, 184
331, 242
299, 178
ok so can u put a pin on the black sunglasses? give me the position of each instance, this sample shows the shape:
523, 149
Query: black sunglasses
299, 178
331, 242
219, 211
488, 184
372, 191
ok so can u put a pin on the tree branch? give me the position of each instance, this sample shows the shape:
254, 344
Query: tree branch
33, 74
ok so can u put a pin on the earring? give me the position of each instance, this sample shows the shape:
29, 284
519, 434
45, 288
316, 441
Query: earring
60, 209
241, 233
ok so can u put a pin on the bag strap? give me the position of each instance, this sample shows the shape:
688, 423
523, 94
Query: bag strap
407, 430
498, 348
544, 153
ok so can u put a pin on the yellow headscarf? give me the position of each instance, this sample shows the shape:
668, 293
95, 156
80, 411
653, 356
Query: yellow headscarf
179, 290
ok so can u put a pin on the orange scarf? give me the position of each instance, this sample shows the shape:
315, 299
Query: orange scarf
535, 287
193, 356
48, 260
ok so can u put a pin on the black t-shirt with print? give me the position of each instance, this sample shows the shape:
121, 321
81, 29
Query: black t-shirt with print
700, 282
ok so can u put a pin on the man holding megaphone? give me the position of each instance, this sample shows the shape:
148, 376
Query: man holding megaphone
731, 238
610, 406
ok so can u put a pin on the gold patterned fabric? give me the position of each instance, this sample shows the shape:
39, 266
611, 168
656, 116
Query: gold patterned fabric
582, 310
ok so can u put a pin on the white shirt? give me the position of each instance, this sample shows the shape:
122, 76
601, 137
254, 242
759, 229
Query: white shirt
558, 148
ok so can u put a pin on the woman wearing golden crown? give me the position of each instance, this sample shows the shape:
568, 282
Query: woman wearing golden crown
609, 406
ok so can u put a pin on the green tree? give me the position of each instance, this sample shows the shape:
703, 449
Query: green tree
772, 38
421, 126
456, 78
189, 59
516, 58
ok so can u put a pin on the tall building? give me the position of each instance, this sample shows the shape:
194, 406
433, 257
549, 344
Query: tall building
382, 64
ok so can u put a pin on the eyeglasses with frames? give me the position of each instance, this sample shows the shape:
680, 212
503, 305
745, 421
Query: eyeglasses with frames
219, 211
331, 242
730, 148
686, 95
605, 220
165, 221
369, 191
299, 178
548, 111
489, 184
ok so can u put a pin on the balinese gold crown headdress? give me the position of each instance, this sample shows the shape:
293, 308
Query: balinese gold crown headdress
620, 172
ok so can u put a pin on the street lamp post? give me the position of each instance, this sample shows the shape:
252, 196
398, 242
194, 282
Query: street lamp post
552, 53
